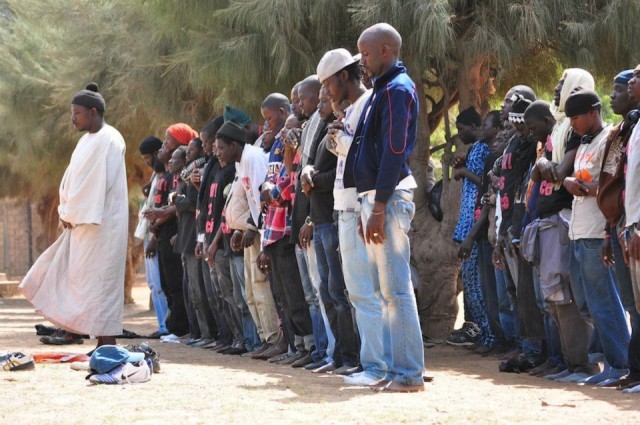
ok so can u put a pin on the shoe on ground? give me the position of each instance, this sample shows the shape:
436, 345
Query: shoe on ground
558, 375
61, 337
514, 352
264, 347
542, 370
483, 350
606, 374
42, 330
574, 377
399, 387
303, 359
170, 338
280, 357
316, 365
345, 370
629, 380
127, 373
201, 343
275, 350
469, 336
236, 351
149, 354
15, 362
360, 379
157, 335
289, 359
427, 343
379, 384
329, 367
212, 344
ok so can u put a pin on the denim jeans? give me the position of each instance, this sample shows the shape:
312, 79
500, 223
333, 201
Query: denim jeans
229, 308
152, 271
249, 330
391, 274
212, 289
367, 301
288, 287
313, 301
595, 293
506, 308
334, 296
197, 294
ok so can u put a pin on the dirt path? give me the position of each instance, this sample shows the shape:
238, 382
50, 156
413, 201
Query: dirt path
198, 386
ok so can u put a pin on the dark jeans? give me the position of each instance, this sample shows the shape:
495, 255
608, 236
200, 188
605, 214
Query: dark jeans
333, 294
171, 275
215, 303
229, 308
187, 295
489, 289
288, 286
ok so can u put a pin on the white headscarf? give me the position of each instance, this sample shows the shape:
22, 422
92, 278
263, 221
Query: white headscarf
573, 77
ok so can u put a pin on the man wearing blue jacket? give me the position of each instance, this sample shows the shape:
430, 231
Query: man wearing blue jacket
385, 137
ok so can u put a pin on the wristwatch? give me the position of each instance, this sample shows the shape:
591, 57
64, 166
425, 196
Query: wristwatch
308, 221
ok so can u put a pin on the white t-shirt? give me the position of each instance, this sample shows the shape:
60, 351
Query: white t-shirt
587, 221
632, 179
347, 198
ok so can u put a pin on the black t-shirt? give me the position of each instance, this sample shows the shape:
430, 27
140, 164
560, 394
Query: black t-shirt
483, 232
516, 162
214, 198
166, 184
551, 200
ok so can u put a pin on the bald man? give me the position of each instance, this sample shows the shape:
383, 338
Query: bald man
386, 136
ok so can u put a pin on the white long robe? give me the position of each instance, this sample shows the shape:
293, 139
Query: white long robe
78, 282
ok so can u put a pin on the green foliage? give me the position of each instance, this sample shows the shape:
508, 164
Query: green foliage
164, 61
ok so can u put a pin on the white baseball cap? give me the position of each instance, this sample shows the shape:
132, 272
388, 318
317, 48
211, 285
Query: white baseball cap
333, 61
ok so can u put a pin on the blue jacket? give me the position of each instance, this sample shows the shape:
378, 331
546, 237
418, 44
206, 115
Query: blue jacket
386, 134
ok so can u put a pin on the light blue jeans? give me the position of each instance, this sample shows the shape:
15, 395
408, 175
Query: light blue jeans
249, 330
391, 276
366, 301
596, 295
313, 300
152, 271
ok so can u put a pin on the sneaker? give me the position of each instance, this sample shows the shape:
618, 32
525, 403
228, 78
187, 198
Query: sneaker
360, 379
62, 337
558, 375
327, 368
128, 373
316, 365
469, 336
201, 343
14, 362
149, 354
346, 370
170, 337
157, 335
574, 377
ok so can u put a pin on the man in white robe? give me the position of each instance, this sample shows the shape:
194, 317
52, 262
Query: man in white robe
78, 282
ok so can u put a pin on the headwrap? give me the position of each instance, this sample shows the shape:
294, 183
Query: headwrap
233, 131
581, 101
469, 117
235, 115
89, 98
623, 77
150, 145
183, 133
520, 104
573, 77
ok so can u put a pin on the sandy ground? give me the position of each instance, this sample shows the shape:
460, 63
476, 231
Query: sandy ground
197, 386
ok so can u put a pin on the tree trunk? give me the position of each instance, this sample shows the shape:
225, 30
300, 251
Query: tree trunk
433, 253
